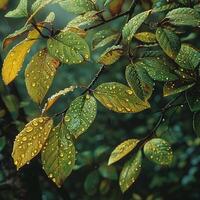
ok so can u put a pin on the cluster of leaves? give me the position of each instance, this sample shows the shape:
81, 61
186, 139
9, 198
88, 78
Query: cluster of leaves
155, 53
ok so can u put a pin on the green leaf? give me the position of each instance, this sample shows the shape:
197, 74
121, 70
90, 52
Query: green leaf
175, 87
58, 155
157, 68
133, 25
184, 17
168, 41
81, 114
130, 172
139, 81
108, 172
193, 99
102, 38
87, 19
69, 48
196, 124
146, 37
188, 57
30, 140
20, 11
158, 151
166, 7
91, 182
122, 150
2, 143
39, 75
111, 55
119, 98
77, 6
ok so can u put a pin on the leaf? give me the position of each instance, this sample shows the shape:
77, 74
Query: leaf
175, 87
157, 68
58, 155
122, 150
82, 33
196, 124
158, 151
130, 171
168, 41
40, 74
115, 6
11, 37
77, 6
167, 7
146, 37
193, 99
184, 17
2, 143
111, 55
108, 172
133, 25
87, 19
52, 100
30, 140
102, 38
188, 57
20, 11
139, 81
69, 48
3, 4
80, 115
15, 58
119, 98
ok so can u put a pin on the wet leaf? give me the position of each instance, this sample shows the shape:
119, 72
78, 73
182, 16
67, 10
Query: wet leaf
169, 42
146, 37
30, 140
122, 150
133, 25
158, 151
166, 7
15, 58
58, 155
130, 172
111, 55
40, 74
119, 98
81, 115
69, 48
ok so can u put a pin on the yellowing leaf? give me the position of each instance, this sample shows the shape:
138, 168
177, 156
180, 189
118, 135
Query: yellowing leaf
58, 155
30, 140
111, 55
158, 151
130, 172
40, 74
116, 6
3, 4
122, 150
56, 96
146, 37
119, 98
15, 58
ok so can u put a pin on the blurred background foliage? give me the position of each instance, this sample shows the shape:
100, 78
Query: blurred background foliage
92, 178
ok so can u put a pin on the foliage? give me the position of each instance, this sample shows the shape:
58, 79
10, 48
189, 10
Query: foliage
155, 44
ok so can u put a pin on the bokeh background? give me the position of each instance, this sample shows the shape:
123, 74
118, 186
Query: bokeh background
92, 178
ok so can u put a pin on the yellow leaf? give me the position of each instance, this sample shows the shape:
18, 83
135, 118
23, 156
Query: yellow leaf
116, 6
30, 140
15, 58
3, 4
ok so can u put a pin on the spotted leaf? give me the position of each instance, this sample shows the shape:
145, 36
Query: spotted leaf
196, 124
122, 150
30, 140
20, 11
119, 98
58, 155
139, 81
78, 6
184, 17
169, 42
133, 25
146, 37
15, 58
130, 172
69, 48
188, 57
40, 74
158, 151
111, 55
81, 114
